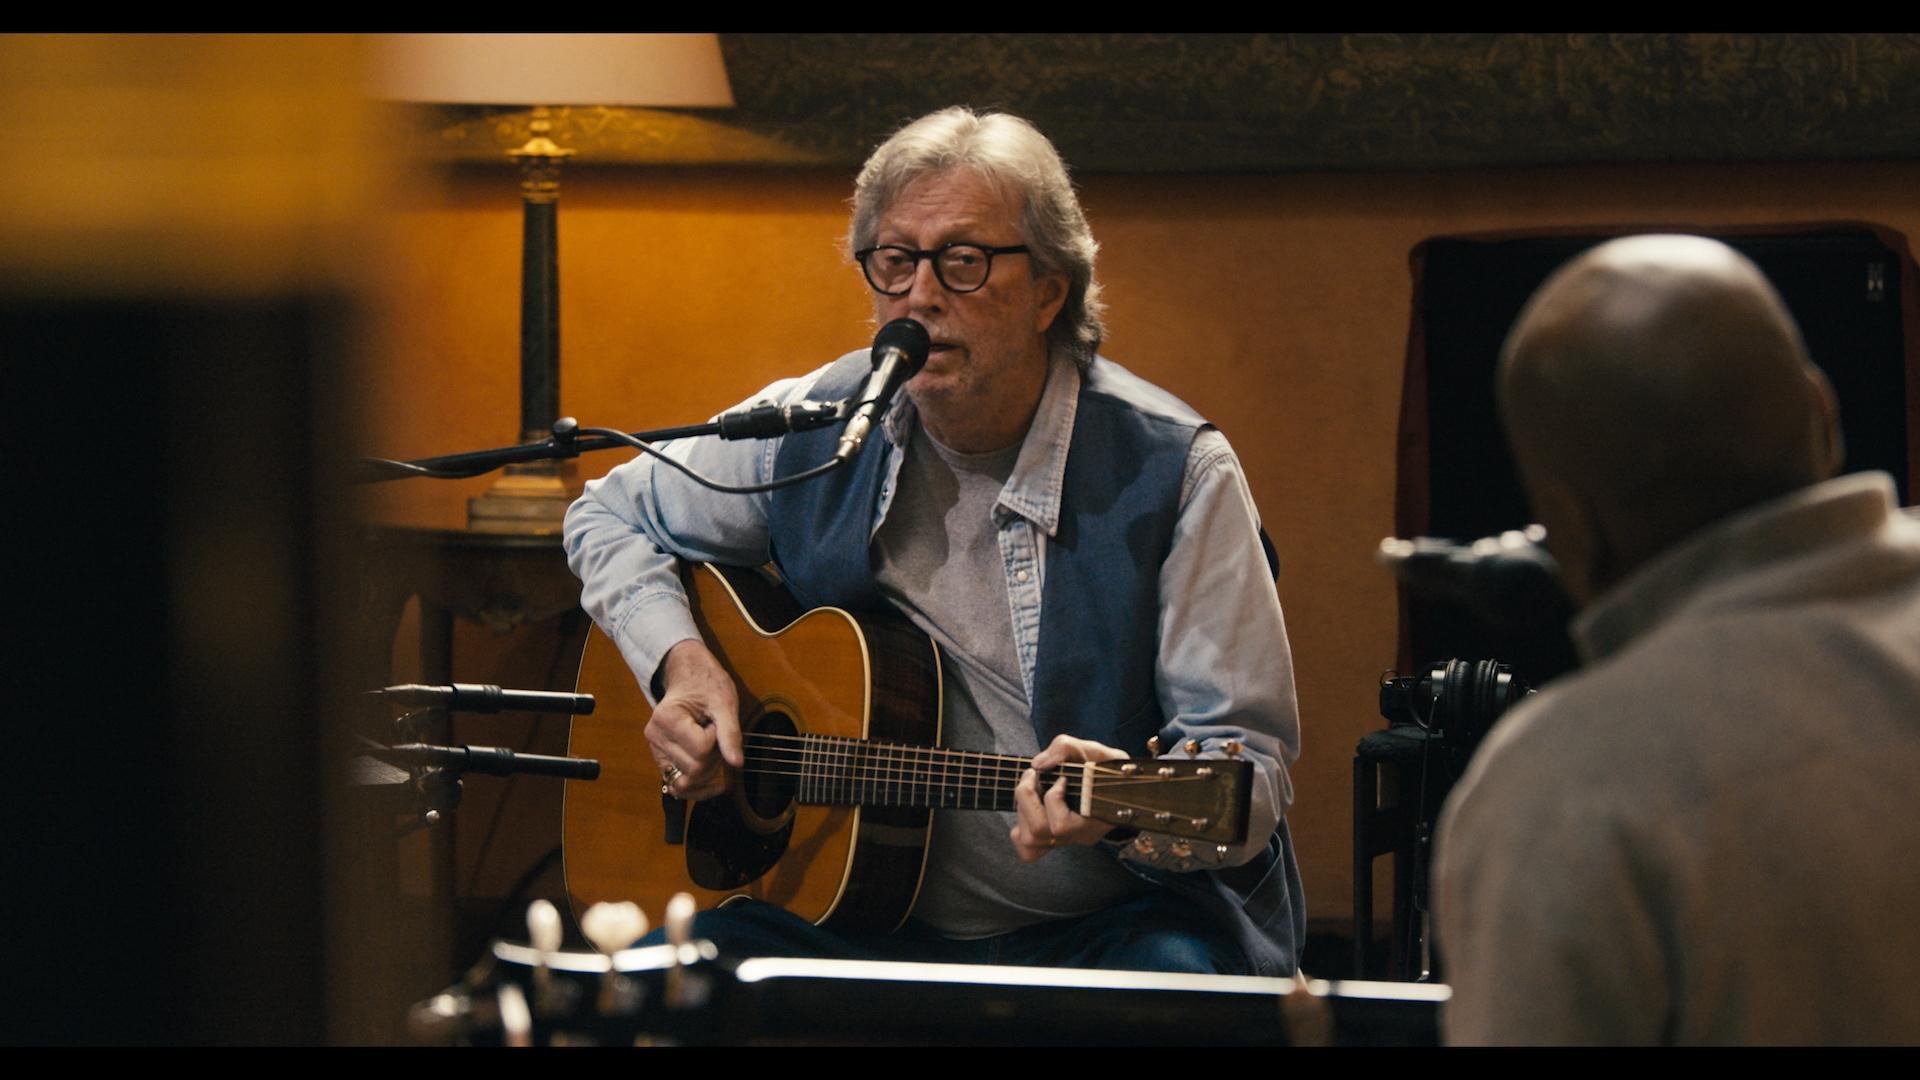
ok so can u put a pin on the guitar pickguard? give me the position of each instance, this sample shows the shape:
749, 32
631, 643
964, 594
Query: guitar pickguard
724, 851
734, 839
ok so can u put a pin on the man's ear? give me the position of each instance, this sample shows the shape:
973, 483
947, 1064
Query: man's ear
1827, 423
1052, 290
1575, 537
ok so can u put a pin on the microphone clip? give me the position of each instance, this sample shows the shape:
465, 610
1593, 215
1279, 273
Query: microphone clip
770, 421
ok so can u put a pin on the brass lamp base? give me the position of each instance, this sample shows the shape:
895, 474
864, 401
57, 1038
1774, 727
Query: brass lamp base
528, 499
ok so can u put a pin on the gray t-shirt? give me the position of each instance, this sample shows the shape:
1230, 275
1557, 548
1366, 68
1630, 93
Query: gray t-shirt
938, 559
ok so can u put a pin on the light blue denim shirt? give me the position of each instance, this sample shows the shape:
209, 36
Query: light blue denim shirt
1223, 660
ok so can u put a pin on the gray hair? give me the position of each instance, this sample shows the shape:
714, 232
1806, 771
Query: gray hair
1013, 156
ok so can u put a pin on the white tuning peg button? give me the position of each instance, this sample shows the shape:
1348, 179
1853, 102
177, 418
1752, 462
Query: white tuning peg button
679, 922
543, 926
612, 927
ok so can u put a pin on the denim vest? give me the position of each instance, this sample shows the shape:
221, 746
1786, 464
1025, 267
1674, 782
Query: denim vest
1094, 673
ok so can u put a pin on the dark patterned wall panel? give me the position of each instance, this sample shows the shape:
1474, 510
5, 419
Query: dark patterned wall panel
1266, 102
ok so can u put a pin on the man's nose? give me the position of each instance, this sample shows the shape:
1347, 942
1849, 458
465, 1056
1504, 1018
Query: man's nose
927, 293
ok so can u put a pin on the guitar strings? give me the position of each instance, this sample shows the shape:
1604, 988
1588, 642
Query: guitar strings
835, 764
833, 767
857, 761
928, 780
837, 745
836, 769
869, 777
875, 787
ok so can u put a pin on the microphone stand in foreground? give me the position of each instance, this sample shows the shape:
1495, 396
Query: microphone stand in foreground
433, 773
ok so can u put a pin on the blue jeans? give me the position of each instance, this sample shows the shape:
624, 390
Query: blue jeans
1156, 932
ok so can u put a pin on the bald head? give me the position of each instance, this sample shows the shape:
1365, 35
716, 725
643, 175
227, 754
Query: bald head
1651, 387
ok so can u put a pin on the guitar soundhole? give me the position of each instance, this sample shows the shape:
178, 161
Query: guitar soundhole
732, 841
769, 788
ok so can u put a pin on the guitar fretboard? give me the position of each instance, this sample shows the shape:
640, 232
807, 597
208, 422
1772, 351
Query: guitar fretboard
834, 771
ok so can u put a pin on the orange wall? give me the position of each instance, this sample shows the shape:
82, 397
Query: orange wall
1277, 305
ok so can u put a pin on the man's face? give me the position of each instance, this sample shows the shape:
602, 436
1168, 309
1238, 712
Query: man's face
989, 346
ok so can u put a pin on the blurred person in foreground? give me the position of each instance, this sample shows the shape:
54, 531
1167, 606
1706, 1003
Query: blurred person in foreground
1706, 834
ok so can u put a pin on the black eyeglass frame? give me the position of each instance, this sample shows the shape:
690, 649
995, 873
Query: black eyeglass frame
867, 271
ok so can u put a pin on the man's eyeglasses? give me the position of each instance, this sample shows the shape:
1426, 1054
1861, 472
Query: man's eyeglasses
962, 268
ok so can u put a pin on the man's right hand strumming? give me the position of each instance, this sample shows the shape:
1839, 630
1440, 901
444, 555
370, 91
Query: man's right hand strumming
695, 729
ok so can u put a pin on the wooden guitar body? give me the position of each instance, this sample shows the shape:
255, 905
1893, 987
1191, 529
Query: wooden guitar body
823, 673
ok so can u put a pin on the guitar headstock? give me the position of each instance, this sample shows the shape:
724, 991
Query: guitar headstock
1202, 799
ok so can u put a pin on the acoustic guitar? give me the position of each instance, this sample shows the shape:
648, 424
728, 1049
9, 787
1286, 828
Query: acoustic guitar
830, 816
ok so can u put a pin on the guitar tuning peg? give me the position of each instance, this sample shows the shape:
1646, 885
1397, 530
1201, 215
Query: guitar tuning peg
612, 927
679, 920
516, 1018
684, 989
543, 926
1153, 746
1232, 747
1192, 747
543, 929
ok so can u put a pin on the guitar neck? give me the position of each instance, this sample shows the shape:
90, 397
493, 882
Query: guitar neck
1201, 799
830, 770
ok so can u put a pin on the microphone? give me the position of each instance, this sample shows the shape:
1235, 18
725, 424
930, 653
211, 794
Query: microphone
497, 760
472, 697
1494, 577
1508, 585
899, 352
770, 421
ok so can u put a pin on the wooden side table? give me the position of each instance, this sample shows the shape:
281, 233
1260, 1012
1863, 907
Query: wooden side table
501, 581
